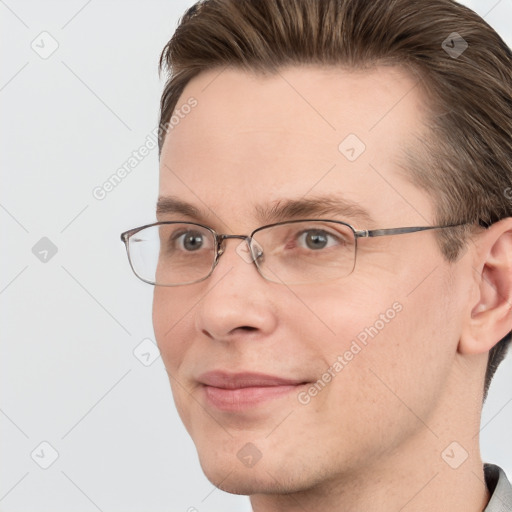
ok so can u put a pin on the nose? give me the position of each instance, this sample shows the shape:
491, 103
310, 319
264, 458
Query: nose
237, 301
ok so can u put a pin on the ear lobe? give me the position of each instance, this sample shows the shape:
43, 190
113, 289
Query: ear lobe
491, 315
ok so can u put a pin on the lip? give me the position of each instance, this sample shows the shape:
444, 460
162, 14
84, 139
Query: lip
236, 392
228, 380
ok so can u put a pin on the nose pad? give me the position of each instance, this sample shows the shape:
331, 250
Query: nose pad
258, 254
243, 250
249, 250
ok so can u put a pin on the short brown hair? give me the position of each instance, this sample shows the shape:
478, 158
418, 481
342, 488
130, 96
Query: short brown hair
465, 164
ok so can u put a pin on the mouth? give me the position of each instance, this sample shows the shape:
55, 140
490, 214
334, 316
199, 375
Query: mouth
236, 392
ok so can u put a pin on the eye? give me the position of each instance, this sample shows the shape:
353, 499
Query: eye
189, 241
316, 239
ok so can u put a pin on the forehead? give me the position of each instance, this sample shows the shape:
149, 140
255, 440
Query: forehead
252, 140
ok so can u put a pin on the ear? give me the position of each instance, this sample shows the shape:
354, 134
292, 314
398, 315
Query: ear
491, 313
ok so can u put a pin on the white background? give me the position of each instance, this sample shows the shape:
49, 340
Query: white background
70, 325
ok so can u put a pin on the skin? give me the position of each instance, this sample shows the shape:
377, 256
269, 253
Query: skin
373, 438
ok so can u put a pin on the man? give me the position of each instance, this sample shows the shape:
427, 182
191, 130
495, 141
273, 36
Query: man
333, 360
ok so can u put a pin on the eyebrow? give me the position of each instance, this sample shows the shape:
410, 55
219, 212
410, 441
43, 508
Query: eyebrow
332, 206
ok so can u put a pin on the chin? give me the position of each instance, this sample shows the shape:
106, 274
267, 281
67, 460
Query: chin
243, 481
265, 477
227, 473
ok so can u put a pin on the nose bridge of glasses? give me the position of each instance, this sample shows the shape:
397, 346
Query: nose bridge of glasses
221, 246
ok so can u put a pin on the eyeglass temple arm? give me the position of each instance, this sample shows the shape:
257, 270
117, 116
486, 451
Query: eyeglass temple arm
365, 233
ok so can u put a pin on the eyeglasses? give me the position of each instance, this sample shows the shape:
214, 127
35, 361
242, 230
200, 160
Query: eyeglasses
292, 252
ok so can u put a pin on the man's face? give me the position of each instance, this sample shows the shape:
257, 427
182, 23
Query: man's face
381, 340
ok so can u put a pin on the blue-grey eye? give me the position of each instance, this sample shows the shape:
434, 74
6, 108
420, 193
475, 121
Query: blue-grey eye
188, 240
315, 238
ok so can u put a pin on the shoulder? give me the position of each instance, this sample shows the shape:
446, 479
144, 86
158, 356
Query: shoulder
500, 488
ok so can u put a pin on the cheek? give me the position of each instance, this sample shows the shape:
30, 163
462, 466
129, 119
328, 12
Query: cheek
410, 358
339, 314
169, 324
169, 321
399, 336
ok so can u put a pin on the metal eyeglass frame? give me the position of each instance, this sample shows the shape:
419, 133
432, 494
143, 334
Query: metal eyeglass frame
219, 239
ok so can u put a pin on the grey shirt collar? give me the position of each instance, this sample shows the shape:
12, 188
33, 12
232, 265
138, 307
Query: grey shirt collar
500, 489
